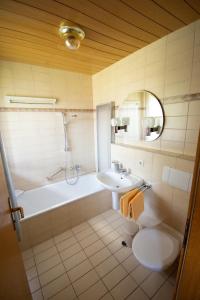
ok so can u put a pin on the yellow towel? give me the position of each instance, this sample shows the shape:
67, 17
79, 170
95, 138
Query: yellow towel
136, 206
124, 201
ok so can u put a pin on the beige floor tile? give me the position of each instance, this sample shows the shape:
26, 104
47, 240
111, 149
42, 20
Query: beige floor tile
107, 297
123, 253
105, 230
48, 264
109, 213
66, 294
107, 239
70, 251
165, 292
43, 246
94, 292
31, 273
34, 284
29, 263
27, 254
51, 274
37, 295
66, 243
80, 270
100, 256
74, 260
89, 240
115, 245
130, 263
99, 225
172, 278
124, 288
63, 236
55, 286
92, 249
80, 227
95, 220
138, 295
45, 254
112, 217
108, 265
140, 273
116, 275
118, 222
152, 284
82, 284
83, 234
120, 231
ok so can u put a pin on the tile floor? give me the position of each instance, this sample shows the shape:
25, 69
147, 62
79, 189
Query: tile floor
88, 262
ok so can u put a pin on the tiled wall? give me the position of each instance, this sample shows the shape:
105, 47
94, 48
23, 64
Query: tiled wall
173, 202
35, 145
35, 140
72, 90
170, 68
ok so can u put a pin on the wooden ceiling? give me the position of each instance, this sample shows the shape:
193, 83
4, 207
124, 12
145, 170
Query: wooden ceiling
113, 28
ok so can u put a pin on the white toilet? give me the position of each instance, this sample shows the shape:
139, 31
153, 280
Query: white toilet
155, 249
156, 246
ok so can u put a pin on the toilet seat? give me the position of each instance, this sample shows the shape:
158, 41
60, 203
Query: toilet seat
155, 249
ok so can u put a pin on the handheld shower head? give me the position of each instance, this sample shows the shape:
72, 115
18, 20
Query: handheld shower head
67, 118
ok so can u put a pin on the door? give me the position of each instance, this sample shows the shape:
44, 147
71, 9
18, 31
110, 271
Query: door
13, 282
188, 279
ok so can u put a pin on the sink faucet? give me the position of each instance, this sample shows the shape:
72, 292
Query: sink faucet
124, 171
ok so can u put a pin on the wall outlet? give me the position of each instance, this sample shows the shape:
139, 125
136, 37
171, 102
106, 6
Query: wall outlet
141, 163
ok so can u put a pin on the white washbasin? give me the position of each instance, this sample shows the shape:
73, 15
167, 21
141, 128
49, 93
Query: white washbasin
118, 182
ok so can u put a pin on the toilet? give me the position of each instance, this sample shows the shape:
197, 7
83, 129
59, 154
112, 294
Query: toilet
156, 245
155, 249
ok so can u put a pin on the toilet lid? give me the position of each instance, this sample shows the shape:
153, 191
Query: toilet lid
155, 249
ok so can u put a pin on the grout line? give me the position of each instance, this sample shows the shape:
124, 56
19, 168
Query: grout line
67, 275
62, 261
93, 267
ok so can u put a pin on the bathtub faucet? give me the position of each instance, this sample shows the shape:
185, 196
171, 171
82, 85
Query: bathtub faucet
61, 169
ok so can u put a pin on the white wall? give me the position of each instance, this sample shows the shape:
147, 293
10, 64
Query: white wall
169, 68
35, 140
72, 90
34, 144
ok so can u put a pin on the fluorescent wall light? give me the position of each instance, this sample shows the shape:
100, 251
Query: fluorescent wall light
30, 100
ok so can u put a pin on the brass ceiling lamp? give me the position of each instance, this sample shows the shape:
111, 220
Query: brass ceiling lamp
72, 36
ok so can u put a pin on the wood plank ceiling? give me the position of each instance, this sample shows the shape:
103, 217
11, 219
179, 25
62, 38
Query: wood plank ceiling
113, 28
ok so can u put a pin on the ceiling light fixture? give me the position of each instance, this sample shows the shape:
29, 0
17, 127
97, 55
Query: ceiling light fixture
72, 36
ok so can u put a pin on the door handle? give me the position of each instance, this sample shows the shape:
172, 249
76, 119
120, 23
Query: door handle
19, 209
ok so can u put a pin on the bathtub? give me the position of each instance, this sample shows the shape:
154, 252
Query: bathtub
54, 208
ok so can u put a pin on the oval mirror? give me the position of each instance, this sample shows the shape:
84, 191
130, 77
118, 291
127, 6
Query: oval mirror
139, 118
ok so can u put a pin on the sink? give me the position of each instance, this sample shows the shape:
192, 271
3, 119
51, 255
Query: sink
118, 182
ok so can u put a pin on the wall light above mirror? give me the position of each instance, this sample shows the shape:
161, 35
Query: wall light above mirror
140, 118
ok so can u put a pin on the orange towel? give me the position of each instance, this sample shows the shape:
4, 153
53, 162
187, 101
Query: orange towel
136, 206
124, 201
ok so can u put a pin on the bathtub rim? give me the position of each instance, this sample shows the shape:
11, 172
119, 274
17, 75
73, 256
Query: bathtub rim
73, 199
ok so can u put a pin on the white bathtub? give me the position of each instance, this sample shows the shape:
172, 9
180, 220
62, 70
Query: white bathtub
48, 197
54, 208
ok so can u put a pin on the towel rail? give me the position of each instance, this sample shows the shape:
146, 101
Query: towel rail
145, 187
142, 188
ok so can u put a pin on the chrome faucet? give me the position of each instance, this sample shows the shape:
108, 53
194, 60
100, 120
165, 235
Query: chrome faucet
124, 171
